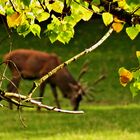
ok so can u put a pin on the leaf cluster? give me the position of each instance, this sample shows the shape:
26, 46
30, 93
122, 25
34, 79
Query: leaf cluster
132, 77
25, 16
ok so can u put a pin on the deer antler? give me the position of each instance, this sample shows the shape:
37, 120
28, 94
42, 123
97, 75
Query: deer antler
100, 78
90, 89
84, 70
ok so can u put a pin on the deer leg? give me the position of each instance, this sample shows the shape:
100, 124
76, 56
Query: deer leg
13, 87
53, 87
42, 89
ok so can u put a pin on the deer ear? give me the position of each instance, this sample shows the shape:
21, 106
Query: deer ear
73, 86
77, 89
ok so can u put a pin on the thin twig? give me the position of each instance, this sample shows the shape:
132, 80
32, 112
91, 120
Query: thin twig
135, 10
4, 76
10, 44
12, 5
41, 5
21, 119
9, 80
5, 69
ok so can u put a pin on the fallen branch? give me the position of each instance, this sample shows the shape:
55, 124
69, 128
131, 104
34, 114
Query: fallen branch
19, 99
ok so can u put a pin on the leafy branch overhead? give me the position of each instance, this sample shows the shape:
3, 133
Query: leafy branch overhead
131, 77
62, 15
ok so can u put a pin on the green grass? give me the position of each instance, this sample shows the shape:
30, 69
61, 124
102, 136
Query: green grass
112, 114
98, 123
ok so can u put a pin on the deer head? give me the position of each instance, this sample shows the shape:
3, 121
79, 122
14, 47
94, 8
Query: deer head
78, 92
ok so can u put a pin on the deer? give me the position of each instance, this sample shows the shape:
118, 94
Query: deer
29, 64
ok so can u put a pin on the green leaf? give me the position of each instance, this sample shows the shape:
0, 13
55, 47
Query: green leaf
70, 20
60, 30
134, 90
138, 27
55, 20
136, 75
26, 2
65, 36
107, 18
57, 6
86, 14
23, 29
132, 32
95, 9
43, 16
52, 36
138, 55
35, 29
9, 11
30, 15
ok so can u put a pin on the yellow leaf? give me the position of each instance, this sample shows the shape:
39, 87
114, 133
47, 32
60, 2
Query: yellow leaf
107, 18
95, 9
125, 76
118, 20
123, 4
57, 6
138, 53
117, 27
14, 19
86, 14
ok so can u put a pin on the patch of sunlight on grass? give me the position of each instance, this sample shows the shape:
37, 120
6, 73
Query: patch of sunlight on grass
105, 135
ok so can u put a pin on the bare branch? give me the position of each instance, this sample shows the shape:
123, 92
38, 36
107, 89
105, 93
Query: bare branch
18, 97
21, 119
86, 51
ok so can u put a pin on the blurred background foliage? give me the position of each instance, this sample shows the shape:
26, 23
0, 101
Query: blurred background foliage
114, 53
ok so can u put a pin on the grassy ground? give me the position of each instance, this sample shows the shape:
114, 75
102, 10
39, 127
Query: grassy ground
110, 116
98, 123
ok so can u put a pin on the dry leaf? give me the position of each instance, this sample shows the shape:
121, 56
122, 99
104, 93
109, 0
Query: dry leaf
117, 26
14, 19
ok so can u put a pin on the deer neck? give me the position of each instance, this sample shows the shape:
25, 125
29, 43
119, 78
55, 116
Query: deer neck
63, 83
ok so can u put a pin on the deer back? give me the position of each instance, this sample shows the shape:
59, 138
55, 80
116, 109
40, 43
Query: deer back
30, 63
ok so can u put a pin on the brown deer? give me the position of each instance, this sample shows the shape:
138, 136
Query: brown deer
31, 64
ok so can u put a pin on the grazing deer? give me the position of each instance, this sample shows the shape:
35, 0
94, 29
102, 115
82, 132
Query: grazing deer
31, 64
